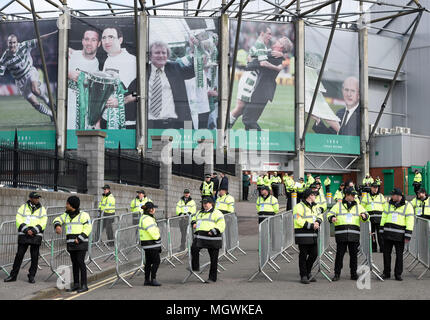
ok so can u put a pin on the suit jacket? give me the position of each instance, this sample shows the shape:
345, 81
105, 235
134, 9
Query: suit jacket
176, 74
224, 183
351, 128
216, 183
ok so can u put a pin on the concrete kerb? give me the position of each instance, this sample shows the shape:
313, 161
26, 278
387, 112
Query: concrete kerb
52, 292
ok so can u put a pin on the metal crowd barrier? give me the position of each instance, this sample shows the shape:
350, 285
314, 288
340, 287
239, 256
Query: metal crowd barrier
422, 236
127, 240
204, 259
232, 236
98, 247
226, 239
177, 231
323, 246
288, 235
366, 248
8, 245
264, 248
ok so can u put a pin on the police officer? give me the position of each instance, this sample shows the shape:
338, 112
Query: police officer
107, 205
185, 206
275, 182
346, 216
417, 181
150, 241
425, 213
374, 202
307, 220
78, 229
267, 181
309, 179
267, 205
397, 224
137, 203
338, 196
207, 187
225, 201
367, 180
289, 189
31, 222
320, 199
208, 225
418, 201
327, 183
300, 188
260, 183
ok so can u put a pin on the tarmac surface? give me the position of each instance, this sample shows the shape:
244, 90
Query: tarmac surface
233, 282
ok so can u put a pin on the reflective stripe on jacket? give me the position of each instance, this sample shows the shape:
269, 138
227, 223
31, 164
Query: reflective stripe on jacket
397, 223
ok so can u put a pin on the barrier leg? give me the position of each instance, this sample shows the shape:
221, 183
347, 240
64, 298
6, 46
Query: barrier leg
95, 263
422, 274
258, 272
269, 262
4, 270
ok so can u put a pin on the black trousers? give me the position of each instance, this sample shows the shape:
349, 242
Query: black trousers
183, 225
34, 253
276, 190
307, 256
78, 266
251, 114
245, 193
340, 252
152, 262
299, 196
417, 186
388, 248
289, 205
375, 225
327, 189
195, 260
107, 224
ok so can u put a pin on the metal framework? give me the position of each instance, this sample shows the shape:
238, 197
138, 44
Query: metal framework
325, 13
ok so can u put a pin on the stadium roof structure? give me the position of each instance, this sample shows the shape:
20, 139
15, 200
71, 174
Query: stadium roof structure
377, 15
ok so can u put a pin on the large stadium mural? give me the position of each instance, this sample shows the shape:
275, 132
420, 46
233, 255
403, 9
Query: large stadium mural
24, 98
335, 126
182, 79
102, 80
263, 92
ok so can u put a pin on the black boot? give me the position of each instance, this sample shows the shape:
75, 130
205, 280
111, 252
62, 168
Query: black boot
74, 287
31, 279
83, 288
155, 283
10, 279
147, 282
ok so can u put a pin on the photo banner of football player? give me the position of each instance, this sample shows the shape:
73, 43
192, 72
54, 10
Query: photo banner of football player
262, 106
24, 102
102, 84
183, 79
335, 125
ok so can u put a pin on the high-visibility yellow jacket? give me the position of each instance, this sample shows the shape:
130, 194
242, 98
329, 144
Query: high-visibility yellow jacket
321, 201
367, 181
275, 179
418, 177
289, 184
207, 189
373, 202
378, 181
347, 226
186, 206
301, 187
305, 215
208, 221
149, 233
338, 196
327, 181
260, 181
31, 217
266, 180
425, 213
310, 181
225, 204
107, 204
78, 226
397, 222
416, 203
268, 206
137, 203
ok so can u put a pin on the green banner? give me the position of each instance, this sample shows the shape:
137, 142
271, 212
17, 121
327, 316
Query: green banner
262, 140
330, 143
38, 139
113, 137
183, 138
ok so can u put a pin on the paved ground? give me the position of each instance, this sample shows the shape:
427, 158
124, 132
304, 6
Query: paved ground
233, 283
